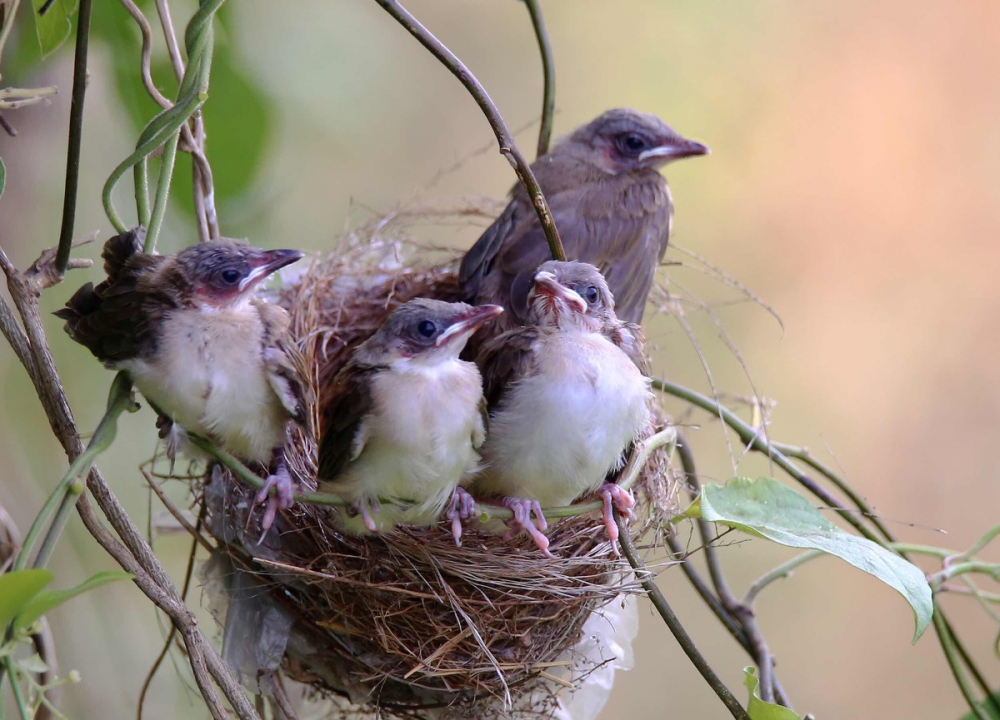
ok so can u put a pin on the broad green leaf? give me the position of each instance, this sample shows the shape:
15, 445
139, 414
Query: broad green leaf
17, 588
48, 599
767, 509
54, 26
757, 708
987, 707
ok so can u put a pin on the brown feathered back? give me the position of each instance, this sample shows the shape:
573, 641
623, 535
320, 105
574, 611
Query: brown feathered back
112, 320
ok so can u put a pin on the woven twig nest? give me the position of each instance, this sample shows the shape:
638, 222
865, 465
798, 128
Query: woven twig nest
407, 624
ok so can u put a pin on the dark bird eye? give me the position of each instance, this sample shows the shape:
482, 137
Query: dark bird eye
231, 277
426, 328
633, 142
592, 295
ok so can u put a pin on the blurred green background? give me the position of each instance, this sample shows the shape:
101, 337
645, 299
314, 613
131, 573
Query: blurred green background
852, 184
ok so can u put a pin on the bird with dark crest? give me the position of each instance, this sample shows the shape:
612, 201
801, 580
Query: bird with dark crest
566, 401
610, 203
210, 356
406, 420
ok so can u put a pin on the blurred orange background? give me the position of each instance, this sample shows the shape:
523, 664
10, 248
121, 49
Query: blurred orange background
852, 185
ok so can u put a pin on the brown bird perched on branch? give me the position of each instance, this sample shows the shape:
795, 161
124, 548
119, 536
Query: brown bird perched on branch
610, 203
210, 356
566, 402
408, 419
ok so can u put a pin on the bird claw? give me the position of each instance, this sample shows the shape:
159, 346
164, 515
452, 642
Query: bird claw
282, 499
463, 507
523, 510
366, 508
174, 435
621, 499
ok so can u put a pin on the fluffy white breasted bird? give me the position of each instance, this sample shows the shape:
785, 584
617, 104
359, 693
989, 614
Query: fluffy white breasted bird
408, 420
212, 357
566, 402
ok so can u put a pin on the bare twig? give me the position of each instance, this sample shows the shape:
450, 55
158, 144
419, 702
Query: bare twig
549, 71
742, 613
683, 639
508, 147
75, 136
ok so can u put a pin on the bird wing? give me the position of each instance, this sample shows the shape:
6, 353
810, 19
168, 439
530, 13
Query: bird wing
506, 358
619, 223
286, 368
343, 433
630, 339
478, 261
114, 319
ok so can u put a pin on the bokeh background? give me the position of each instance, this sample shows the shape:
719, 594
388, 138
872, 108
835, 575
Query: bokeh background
852, 185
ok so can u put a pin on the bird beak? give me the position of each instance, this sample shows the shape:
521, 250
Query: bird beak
270, 261
675, 149
546, 284
468, 324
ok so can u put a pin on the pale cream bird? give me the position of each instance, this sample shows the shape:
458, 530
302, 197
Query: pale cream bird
214, 359
566, 400
408, 420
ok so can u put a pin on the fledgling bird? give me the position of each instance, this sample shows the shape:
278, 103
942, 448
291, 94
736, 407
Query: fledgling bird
565, 401
408, 419
213, 359
610, 203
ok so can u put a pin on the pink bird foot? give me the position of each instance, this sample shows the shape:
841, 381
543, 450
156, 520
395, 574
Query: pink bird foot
463, 508
282, 499
523, 510
621, 499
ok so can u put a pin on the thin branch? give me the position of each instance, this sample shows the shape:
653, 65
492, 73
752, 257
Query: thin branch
192, 530
673, 623
628, 476
75, 136
549, 71
950, 648
162, 192
749, 436
841, 484
741, 612
782, 571
508, 147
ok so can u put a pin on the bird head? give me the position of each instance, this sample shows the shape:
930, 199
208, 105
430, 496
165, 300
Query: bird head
222, 272
427, 331
621, 140
571, 293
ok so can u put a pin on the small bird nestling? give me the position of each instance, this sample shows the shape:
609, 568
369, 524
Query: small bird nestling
566, 401
408, 419
611, 205
207, 353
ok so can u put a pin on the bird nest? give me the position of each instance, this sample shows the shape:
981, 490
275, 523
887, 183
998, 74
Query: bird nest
405, 623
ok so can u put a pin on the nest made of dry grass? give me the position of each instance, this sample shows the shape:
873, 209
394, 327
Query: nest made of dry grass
406, 622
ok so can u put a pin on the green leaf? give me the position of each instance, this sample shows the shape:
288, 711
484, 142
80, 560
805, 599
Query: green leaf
3, 176
757, 708
987, 707
48, 599
767, 509
17, 588
54, 26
